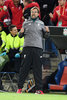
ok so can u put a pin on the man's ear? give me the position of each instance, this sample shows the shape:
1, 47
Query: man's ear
11, 32
38, 14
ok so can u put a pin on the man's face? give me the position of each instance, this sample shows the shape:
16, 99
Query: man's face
34, 13
14, 31
24, 3
16, 2
61, 2
1, 2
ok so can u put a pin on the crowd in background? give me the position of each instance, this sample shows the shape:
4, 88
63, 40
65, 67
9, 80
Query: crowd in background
15, 12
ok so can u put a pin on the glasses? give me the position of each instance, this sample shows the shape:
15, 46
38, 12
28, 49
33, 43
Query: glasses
59, 0
34, 12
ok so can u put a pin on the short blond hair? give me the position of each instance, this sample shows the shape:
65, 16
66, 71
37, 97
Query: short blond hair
35, 8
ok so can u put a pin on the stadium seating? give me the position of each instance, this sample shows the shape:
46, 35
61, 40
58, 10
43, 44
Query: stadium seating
11, 83
60, 78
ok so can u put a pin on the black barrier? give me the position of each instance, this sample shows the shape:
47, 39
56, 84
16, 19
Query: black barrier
59, 36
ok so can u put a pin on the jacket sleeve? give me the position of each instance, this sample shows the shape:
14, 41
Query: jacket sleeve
21, 44
64, 17
3, 14
21, 34
7, 47
43, 27
45, 34
7, 3
3, 36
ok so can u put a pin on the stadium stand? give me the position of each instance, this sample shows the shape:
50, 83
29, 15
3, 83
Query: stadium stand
6, 77
60, 78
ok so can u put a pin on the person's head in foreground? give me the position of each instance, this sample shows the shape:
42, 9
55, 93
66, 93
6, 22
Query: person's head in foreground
13, 30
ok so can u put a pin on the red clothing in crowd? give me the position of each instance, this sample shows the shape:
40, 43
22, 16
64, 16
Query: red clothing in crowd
16, 17
3, 15
63, 16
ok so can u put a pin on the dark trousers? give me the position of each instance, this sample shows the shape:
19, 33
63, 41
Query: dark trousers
31, 58
13, 65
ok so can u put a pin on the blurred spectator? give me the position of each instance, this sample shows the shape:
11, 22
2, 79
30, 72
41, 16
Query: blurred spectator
28, 4
46, 6
60, 13
50, 47
2, 37
4, 15
15, 11
14, 46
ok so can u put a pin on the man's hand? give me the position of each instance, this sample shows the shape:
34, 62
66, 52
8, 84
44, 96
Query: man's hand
5, 8
58, 12
47, 29
47, 33
22, 30
51, 15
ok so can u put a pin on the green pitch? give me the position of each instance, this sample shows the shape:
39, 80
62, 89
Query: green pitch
28, 96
